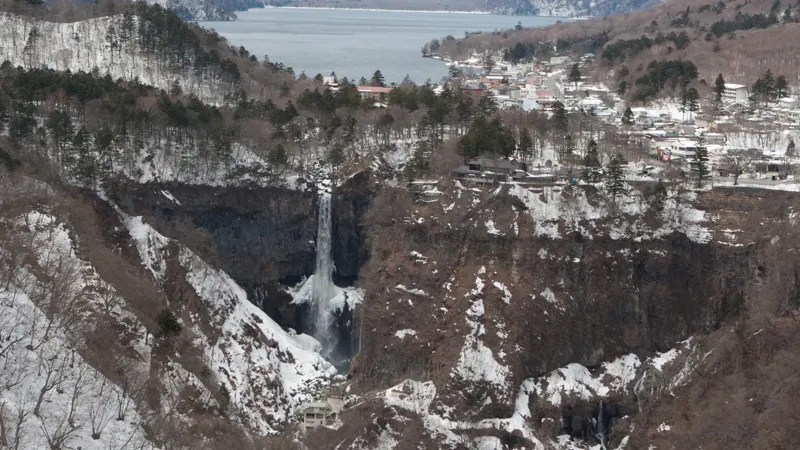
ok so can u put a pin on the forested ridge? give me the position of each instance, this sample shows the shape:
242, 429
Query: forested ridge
267, 125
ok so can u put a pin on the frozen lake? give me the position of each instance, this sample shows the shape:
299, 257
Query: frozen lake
354, 43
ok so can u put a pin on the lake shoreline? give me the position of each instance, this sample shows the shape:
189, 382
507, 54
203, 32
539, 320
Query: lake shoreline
433, 11
356, 44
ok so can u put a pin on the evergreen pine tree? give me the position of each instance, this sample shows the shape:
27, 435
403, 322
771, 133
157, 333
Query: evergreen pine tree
487, 104
658, 197
627, 116
560, 119
684, 100
693, 98
768, 84
103, 140
569, 148
615, 175
574, 74
277, 156
525, 146
700, 164
85, 162
622, 88
781, 87
377, 79
790, 151
719, 87
593, 170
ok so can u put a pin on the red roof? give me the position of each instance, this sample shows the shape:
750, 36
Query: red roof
374, 89
544, 92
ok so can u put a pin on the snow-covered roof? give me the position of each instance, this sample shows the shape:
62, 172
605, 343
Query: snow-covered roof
733, 87
591, 101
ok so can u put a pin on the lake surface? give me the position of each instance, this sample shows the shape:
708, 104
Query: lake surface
354, 43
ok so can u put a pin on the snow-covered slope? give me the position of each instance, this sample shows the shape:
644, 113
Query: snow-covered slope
52, 397
92, 44
576, 8
627, 374
267, 371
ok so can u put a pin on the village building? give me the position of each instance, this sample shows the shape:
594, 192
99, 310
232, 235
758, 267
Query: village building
735, 93
425, 191
559, 61
373, 92
320, 413
491, 169
790, 116
715, 138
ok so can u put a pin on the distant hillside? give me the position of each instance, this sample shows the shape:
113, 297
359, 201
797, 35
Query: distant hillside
568, 8
741, 40
208, 9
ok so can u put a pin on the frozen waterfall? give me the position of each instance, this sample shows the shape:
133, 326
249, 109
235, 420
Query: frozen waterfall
323, 288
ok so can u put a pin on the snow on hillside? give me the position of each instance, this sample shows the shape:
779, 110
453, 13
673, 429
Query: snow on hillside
60, 400
165, 161
626, 374
91, 44
267, 371
477, 362
52, 397
194, 9
555, 213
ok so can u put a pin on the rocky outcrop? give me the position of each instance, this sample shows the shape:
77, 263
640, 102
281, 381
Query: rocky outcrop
351, 201
477, 294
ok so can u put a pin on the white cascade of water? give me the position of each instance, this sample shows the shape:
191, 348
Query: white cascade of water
322, 287
601, 427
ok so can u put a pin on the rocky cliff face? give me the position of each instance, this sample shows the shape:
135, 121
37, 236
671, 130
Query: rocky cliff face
527, 308
264, 238
543, 317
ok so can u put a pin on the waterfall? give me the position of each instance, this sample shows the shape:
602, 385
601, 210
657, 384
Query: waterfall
600, 427
322, 287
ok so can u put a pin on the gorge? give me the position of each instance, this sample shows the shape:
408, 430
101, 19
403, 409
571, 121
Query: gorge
584, 298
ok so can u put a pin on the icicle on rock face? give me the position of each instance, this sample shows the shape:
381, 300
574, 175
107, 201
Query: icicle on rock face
322, 286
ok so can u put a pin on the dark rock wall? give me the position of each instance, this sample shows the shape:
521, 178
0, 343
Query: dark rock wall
618, 296
350, 202
262, 237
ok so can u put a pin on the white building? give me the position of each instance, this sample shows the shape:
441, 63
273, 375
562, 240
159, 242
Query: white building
735, 93
715, 138
790, 116
321, 413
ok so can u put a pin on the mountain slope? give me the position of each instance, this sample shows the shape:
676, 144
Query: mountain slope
564, 8
740, 40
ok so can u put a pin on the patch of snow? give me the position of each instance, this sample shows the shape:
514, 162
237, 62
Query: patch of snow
412, 396
548, 295
477, 362
170, 197
661, 359
504, 290
401, 334
417, 292
420, 258
622, 371
492, 230
150, 244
